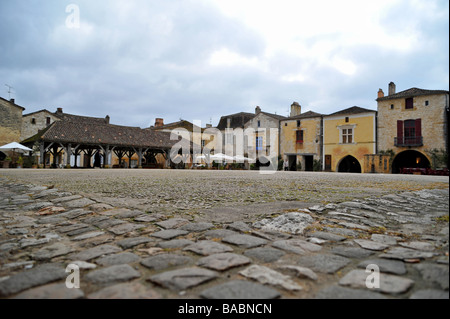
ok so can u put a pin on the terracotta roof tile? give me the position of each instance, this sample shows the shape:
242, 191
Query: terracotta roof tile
105, 134
352, 110
411, 93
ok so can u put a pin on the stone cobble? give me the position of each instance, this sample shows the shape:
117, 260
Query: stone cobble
320, 250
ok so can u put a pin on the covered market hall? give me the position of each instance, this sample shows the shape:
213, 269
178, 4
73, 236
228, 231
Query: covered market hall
85, 144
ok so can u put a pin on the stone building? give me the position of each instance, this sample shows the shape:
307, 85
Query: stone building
261, 141
412, 126
301, 139
226, 141
10, 121
348, 136
34, 122
200, 137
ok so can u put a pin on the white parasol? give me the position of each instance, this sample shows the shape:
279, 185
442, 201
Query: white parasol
15, 147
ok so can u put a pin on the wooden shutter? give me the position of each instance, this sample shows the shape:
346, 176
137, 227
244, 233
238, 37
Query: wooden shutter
409, 103
299, 137
400, 129
418, 127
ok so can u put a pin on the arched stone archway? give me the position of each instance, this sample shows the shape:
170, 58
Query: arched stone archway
262, 161
349, 164
409, 159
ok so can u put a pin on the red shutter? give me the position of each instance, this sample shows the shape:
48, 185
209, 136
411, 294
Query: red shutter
299, 137
418, 127
400, 129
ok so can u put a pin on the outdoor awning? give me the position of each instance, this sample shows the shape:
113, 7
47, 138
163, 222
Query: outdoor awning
15, 147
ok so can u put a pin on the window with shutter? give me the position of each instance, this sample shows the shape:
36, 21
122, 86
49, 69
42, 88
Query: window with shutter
410, 130
418, 127
299, 137
409, 133
400, 130
409, 103
259, 143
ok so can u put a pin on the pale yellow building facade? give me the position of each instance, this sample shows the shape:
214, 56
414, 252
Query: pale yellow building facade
349, 135
301, 141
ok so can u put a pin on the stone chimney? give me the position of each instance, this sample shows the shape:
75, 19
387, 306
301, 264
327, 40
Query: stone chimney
59, 111
257, 110
159, 122
380, 94
13, 101
208, 125
296, 109
107, 118
392, 88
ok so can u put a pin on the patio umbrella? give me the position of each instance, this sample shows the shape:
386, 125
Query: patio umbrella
221, 157
15, 148
240, 158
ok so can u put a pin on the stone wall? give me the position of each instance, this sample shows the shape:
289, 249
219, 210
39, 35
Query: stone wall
33, 123
376, 163
266, 124
433, 115
10, 122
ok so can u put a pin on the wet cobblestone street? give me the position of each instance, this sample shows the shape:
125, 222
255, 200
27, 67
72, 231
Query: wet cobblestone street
222, 234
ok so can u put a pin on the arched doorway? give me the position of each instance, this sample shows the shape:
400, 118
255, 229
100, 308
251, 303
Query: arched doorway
349, 164
262, 161
409, 159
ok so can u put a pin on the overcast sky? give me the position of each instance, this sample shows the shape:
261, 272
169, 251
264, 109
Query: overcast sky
202, 59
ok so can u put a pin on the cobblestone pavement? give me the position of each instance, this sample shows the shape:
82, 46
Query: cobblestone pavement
239, 235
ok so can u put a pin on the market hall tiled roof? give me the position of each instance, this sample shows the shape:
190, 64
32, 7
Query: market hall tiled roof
88, 133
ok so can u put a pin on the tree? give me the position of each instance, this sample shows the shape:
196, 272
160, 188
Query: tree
439, 158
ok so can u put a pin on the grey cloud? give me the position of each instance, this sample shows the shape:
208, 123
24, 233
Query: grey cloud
137, 60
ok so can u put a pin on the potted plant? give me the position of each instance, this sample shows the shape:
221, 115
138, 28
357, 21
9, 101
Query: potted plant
20, 162
35, 153
7, 162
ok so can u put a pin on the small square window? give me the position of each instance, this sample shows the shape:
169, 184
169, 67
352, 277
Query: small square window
33, 121
299, 123
427, 103
347, 120
409, 104
392, 106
